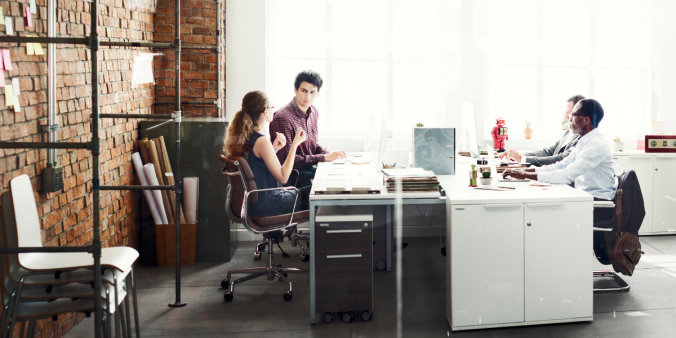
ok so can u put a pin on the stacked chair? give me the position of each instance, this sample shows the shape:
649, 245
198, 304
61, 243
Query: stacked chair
43, 285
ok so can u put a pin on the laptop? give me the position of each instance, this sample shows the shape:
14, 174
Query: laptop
494, 170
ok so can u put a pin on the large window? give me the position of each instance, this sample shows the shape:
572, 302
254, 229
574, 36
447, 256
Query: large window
416, 61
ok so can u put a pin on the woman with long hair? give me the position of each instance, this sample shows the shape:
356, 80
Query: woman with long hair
245, 140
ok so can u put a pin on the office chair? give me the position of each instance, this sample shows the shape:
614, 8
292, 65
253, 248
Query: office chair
627, 211
242, 192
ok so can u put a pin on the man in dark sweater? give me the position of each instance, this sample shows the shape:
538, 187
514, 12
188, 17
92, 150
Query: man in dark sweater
555, 153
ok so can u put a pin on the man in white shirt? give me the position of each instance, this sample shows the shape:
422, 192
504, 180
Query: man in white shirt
590, 164
552, 154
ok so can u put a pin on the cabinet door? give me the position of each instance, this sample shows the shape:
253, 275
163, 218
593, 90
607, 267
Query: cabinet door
664, 197
643, 166
558, 259
486, 264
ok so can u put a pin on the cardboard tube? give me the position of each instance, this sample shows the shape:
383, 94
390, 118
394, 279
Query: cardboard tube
138, 165
154, 159
168, 172
190, 198
152, 180
142, 148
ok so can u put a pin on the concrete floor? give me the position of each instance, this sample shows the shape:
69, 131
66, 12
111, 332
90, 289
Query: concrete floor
258, 310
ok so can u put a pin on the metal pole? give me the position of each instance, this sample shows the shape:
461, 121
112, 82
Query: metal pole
96, 244
177, 46
51, 86
219, 52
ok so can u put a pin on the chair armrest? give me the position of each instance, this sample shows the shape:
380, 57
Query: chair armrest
245, 215
604, 204
603, 229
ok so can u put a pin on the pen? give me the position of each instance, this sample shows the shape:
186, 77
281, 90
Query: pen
507, 187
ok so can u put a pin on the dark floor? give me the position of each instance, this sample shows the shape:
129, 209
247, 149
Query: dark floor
258, 310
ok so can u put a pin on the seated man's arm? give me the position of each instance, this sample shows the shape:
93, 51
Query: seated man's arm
321, 150
284, 127
573, 166
547, 160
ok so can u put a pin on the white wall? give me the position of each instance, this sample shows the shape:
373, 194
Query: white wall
245, 48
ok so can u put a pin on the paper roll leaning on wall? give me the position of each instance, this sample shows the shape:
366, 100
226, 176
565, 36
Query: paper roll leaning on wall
149, 170
138, 165
190, 198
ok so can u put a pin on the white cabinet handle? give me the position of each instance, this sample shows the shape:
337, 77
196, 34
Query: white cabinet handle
342, 231
344, 256
641, 157
544, 205
502, 206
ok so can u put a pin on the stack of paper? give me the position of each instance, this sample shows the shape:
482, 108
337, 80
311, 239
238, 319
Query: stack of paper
412, 180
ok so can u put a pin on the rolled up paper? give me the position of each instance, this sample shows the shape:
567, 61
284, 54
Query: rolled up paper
152, 180
138, 165
190, 198
154, 159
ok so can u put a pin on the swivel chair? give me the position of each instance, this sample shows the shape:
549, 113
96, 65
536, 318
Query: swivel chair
242, 193
625, 213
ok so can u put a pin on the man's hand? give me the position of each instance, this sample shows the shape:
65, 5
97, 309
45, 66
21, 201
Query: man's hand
279, 143
334, 155
512, 154
520, 174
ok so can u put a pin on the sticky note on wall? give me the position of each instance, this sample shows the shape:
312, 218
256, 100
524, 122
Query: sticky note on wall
2, 16
17, 104
34, 7
7, 59
38, 49
9, 96
8, 26
15, 86
30, 49
29, 17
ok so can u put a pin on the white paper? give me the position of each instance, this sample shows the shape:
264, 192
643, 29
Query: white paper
143, 69
15, 86
138, 165
190, 198
152, 180
8, 26
34, 8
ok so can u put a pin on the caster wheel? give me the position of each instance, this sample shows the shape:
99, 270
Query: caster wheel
348, 317
307, 243
228, 296
305, 258
257, 256
225, 284
381, 265
285, 276
288, 296
329, 317
366, 315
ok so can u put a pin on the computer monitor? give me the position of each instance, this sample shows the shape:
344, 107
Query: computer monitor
468, 135
373, 136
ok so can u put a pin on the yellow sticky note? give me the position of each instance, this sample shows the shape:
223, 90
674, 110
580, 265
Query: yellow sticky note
38, 49
30, 50
9, 96
2, 17
17, 105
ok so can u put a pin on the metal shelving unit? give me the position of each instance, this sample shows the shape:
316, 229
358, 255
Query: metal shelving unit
93, 42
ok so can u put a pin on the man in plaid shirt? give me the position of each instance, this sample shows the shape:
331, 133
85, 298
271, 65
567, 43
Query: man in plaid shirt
300, 113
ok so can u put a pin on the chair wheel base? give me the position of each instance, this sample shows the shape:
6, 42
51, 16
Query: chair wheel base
228, 296
257, 256
178, 304
305, 258
348, 317
288, 295
225, 284
329, 317
285, 276
366, 315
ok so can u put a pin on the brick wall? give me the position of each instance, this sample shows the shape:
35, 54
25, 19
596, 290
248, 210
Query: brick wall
199, 70
66, 216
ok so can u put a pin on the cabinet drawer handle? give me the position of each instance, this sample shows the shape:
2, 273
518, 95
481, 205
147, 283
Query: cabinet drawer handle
641, 157
323, 224
342, 231
501, 206
544, 205
344, 256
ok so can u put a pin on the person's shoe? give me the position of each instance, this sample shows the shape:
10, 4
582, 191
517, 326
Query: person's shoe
443, 251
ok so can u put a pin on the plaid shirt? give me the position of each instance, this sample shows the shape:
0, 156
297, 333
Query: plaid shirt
287, 120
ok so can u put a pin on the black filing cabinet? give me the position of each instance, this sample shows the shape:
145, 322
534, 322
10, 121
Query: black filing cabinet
344, 262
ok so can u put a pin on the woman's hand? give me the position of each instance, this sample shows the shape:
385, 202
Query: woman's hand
300, 137
279, 143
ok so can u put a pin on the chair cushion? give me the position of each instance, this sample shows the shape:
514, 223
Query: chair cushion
278, 220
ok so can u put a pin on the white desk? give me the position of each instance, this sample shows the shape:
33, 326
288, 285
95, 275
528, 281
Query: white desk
382, 199
519, 257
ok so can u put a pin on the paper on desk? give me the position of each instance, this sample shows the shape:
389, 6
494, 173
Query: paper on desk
539, 184
8, 26
15, 86
34, 7
7, 59
2, 17
9, 96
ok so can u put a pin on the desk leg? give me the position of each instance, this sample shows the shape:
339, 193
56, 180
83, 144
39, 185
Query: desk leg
313, 259
389, 223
